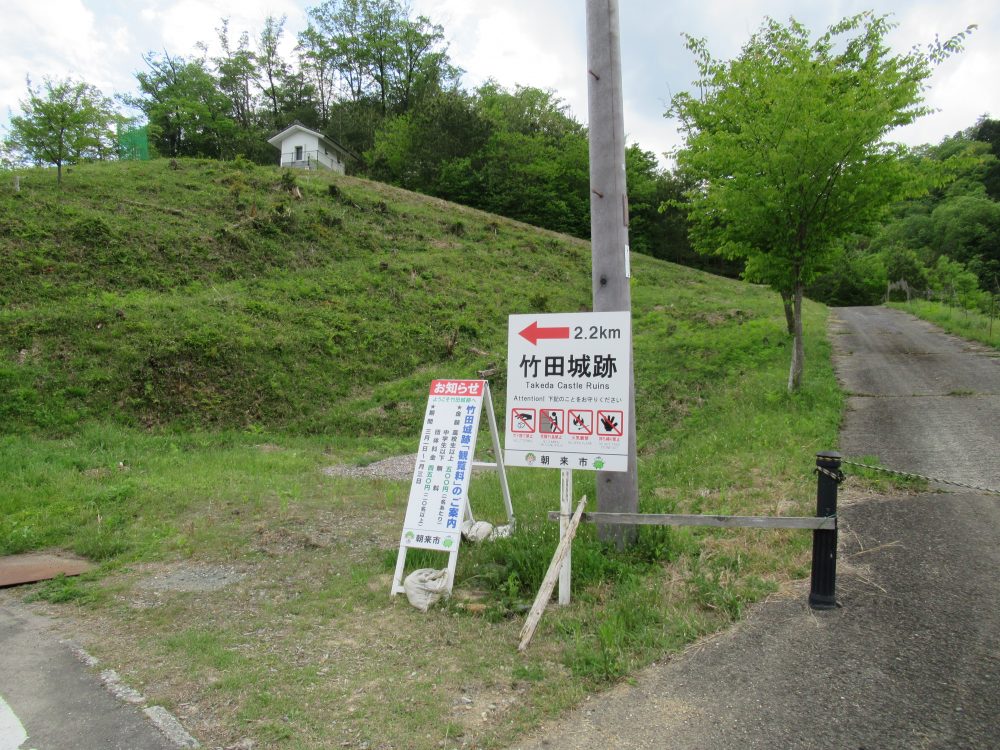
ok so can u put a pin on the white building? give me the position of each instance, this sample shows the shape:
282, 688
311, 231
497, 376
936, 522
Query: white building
307, 149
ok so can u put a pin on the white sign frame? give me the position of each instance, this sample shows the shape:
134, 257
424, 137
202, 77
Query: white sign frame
442, 393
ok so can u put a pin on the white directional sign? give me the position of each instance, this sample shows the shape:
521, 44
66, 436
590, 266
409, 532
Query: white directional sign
568, 390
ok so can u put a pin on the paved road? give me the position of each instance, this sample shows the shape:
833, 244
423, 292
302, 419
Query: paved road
912, 659
921, 400
50, 701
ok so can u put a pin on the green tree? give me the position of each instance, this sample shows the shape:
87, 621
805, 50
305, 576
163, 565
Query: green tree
988, 131
430, 148
786, 146
520, 154
237, 79
903, 264
273, 69
236, 75
534, 166
317, 66
955, 217
63, 122
967, 228
264, 91
855, 276
954, 283
369, 61
188, 114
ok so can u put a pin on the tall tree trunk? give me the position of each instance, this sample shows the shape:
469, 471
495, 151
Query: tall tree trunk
786, 300
798, 350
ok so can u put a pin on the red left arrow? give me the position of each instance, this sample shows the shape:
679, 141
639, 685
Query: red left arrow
533, 333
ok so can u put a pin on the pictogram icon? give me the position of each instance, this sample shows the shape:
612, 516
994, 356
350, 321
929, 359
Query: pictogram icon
580, 422
550, 422
609, 423
522, 420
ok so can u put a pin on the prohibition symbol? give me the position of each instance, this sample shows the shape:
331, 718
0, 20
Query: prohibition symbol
580, 422
522, 420
609, 423
551, 421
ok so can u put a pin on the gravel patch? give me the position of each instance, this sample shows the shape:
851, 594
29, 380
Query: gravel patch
395, 467
194, 578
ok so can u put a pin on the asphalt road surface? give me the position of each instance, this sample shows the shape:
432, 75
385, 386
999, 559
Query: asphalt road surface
49, 700
912, 659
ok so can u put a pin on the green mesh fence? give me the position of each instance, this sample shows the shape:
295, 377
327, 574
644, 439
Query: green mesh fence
133, 144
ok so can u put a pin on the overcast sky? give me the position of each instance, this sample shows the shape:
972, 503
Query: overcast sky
530, 42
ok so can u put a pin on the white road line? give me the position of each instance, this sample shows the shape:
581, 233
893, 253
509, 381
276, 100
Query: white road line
12, 734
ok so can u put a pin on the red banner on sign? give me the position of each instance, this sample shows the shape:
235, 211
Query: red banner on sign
457, 387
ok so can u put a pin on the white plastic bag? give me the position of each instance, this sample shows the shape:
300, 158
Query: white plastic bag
501, 532
424, 587
477, 531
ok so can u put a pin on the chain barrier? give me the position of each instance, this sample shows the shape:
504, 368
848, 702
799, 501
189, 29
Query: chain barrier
936, 480
837, 476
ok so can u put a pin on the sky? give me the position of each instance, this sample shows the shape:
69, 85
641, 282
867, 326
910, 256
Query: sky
538, 43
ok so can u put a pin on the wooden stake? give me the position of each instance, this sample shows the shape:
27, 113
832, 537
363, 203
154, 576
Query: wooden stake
551, 576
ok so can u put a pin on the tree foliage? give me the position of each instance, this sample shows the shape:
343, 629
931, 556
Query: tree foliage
517, 153
63, 122
955, 219
188, 114
370, 59
988, 131
786, 147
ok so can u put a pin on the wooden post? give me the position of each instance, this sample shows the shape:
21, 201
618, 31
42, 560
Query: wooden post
565, 506
549, 582
616, 491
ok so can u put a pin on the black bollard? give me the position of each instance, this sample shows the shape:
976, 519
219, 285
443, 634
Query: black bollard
822, 593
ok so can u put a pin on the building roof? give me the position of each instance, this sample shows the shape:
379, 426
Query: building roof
298, 127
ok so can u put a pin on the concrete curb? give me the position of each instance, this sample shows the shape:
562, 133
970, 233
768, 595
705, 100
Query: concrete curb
171, 728
163, 720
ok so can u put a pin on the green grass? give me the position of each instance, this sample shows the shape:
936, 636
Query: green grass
316, 321
183, 351
969, 324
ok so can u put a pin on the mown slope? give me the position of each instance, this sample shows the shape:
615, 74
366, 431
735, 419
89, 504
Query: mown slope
210, 295
203, 294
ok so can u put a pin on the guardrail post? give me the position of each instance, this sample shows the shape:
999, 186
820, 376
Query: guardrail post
822, 593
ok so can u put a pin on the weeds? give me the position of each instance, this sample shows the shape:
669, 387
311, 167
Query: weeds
970, 324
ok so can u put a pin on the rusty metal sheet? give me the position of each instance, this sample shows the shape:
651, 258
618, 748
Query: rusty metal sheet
39, 566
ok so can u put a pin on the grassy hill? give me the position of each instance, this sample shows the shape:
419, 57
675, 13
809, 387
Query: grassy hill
209, 296
183, 350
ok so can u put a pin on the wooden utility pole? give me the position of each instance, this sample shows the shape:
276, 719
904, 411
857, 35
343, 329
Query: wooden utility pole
617, 492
